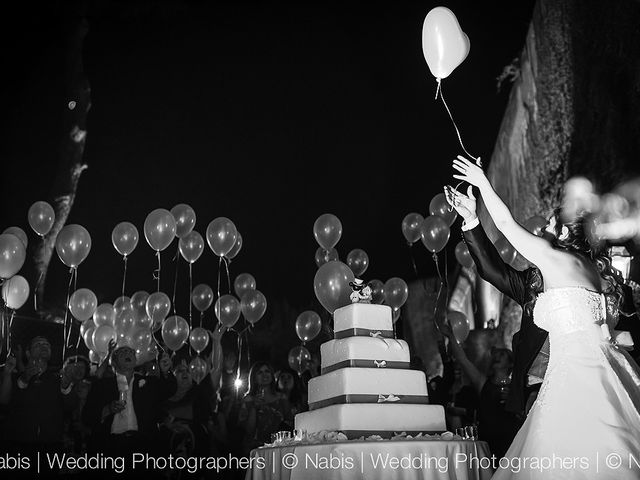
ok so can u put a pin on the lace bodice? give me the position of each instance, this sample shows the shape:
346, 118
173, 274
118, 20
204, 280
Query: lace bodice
565, 310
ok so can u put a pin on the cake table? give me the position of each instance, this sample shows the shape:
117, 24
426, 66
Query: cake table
372, 460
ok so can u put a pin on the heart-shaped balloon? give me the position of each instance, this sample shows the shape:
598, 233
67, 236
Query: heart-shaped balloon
444, 44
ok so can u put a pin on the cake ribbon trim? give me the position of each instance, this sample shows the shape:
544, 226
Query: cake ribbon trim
369, 398
365, 363
363, 332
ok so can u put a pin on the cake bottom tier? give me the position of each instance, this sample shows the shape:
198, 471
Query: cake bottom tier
358, 419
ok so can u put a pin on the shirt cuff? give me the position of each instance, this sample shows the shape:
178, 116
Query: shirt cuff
66, 391
21, 384
469, 225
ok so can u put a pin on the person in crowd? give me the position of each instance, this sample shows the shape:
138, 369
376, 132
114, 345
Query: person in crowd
123, 411
290, 384
264, 410
37, 399
589, 402
75, 431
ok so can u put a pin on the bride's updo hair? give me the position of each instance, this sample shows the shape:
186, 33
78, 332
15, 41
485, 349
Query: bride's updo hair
573, 236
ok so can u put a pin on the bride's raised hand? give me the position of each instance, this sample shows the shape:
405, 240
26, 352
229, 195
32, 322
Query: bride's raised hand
470, 172
465, 205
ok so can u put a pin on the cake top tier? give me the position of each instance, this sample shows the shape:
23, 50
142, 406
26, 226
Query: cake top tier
363, 319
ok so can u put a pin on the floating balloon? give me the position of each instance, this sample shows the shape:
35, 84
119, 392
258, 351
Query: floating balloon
18, 232
358, 261
198, 369
298, 358
124, 324
327, 229
435, 233
323, 256
141, 340
308, 325
507, 252
159, 229
459, 325
236, 247
227, 309
202, 297
395, 292
199, 339
105, 314
377, 291
87, 336
158, 306
221, 235
536, 225
462, 255
139, 303
253, 305
185, 218
331, 285
41, 217
444, 44
175, 331
124, 238
73, 245
15, 291
411, 227
191, 246
94, 357
12, 255
102, 335
244, 283
121, 304
439, 206
83, 304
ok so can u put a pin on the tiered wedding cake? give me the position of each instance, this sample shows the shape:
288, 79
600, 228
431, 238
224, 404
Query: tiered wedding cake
366, 387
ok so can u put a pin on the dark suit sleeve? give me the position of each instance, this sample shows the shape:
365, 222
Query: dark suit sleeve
97, 398
629, 320
492, 268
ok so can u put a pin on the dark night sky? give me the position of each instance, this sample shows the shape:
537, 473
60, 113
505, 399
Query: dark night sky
269, 113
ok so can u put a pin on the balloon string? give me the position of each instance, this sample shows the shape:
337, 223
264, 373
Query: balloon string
156, 273
413, 260
175, 279
239, 356
218, 287
190, 289
226, 266
201, 318
440, 91
124, 275
9, 336
435, 310
65, 330
35, 290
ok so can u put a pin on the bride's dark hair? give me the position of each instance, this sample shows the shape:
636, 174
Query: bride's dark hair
576, 239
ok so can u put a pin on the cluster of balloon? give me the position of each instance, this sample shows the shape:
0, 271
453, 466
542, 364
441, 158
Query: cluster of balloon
308, 326
358, 261
253, 303
459, 324
299, 358
462, 255
444, 44
327, 230
331, 285
13, 252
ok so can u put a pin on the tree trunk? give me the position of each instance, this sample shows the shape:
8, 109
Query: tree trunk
71, 153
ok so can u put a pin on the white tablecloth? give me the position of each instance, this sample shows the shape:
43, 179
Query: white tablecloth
384, 460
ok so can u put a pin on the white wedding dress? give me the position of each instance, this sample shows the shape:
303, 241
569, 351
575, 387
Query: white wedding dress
585, 423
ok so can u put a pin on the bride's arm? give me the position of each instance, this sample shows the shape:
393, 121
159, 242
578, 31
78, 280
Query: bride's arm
535, 249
